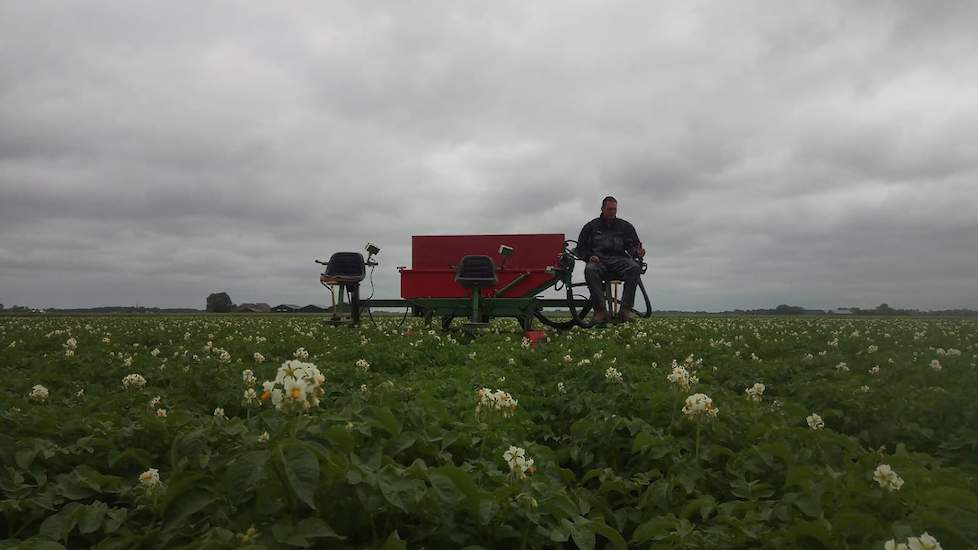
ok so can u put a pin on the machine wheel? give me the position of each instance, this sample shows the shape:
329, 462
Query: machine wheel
648, 303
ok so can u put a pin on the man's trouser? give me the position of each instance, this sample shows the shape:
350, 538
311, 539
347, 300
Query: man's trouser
627, 269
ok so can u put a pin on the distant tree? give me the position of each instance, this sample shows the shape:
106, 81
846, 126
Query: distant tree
785, 309
219, 302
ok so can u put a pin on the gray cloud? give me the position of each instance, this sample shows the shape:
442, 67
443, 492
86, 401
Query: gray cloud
824, 155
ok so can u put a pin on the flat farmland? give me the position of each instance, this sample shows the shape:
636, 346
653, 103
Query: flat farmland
672, 432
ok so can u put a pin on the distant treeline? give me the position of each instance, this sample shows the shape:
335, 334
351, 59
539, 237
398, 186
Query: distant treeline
882, 309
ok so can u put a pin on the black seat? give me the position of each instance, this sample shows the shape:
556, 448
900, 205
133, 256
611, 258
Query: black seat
476, 272
346, 267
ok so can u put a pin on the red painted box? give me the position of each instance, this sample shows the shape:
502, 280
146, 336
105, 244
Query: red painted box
433, 258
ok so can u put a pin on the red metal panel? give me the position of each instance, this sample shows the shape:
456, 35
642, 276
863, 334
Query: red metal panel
440, 283
434, 258
533, 251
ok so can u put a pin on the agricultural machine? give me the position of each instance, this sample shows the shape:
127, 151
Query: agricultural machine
477, 277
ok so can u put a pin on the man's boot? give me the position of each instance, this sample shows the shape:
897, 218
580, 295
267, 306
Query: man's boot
600, 317
628, 315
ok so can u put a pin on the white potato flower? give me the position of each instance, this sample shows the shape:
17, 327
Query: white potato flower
755, 392
363, 365
815, 422
518, 462
259, 358
250, 396
935, 364
39, 393
613, 375
887, 478
495, 401
133, 381
161, 413
923, 542
150, 478
219, 413
681, 378
297, 386
699, 405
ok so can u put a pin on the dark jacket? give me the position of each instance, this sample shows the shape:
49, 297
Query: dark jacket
608, 239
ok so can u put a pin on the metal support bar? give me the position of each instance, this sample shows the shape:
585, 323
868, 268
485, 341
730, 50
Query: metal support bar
510, 285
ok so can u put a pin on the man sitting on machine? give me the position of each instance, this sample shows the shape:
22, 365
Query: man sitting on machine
609, 243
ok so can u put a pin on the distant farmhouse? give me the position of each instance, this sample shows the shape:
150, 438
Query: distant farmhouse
260, 307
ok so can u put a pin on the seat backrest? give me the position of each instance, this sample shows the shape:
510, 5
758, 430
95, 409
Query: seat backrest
346, 267
476, 271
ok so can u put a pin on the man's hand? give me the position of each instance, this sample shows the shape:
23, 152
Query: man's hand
594, 259
641, 253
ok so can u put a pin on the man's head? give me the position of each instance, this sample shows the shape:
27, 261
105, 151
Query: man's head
609, 208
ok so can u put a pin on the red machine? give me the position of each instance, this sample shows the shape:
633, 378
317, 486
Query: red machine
434, 259
479, 276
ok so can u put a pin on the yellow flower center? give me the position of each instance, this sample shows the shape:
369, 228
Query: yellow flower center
296, 393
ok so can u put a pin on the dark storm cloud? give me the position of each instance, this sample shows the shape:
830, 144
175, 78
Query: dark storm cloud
824, 154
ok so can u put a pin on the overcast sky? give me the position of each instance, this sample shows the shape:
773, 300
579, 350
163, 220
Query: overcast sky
817, 153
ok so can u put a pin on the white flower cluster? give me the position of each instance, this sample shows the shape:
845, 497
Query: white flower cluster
219, 413
887, 478
301, 354
39, 393
842, 366
613, 375
923, 542
133, 381
755, 392
248, 377
681, 377
518, 463
815, 421
150, 479
935, 364
950, 352
250, 396
495, 401
70, 346
699, 405
297, 386
363, 365
259, 358
875, 370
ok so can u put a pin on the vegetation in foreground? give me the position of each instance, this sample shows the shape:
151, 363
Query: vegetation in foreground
231, 432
